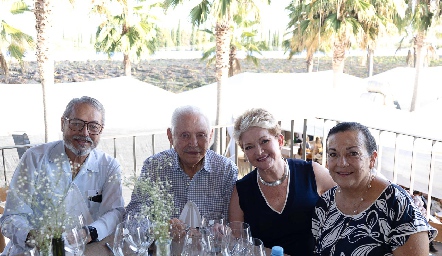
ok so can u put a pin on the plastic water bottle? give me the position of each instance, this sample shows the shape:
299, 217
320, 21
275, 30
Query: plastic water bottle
277, 251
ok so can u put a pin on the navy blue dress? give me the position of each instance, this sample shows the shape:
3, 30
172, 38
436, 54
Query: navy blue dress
292, 228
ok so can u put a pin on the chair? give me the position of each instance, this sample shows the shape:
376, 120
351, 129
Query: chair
3, 192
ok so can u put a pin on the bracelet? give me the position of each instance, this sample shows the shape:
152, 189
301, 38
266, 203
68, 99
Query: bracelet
93, 233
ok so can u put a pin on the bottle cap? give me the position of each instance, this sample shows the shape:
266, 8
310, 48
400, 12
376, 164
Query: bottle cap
277, 250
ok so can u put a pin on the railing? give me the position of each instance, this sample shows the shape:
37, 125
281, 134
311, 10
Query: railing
5, 168
402, 158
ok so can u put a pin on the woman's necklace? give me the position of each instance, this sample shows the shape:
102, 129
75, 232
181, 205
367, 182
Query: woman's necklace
276, 182
347, 219
358, 204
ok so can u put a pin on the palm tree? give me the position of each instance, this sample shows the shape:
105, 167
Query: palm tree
221, 12
43, 24
421, 15
305, 29
132, 32
13, 40
342, 24
244, 40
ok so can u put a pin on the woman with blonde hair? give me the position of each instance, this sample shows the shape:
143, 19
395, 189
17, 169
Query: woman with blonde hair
278, 197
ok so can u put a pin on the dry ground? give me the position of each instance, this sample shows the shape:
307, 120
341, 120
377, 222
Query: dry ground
184, 74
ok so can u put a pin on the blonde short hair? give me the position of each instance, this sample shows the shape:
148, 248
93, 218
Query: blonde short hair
255, 117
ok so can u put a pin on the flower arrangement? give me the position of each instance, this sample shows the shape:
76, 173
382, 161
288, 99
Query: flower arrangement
44, 191
159, 204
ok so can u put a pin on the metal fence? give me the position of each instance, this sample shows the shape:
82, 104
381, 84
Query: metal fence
414, 162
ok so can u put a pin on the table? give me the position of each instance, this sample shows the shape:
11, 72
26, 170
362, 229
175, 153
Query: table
100, 248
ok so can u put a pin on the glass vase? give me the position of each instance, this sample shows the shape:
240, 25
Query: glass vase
58, 246
162, 247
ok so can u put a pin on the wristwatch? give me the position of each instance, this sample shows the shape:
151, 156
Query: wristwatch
93, 233
30, 241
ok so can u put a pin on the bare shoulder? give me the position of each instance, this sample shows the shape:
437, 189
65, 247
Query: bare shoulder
324, 181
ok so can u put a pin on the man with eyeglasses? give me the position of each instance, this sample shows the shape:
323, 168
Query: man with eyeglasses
196, 173
91, 177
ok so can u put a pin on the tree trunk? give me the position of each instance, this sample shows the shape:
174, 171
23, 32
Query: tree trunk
309, 62
419, 43
232, 58
339, 48
222, 31
127, 65
4, 65
370, 53
43, 26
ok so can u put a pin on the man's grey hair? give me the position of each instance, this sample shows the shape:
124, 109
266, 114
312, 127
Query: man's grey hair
84, 100
186, 110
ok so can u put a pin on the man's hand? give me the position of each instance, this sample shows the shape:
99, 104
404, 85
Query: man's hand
178, 229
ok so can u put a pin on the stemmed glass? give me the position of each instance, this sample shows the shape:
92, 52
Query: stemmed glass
239, 238
76, 236
133, 236
256, 248
213, 229
212, 218
194, 243
74, 241
178, 231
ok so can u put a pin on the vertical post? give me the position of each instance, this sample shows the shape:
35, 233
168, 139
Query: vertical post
153, 144
324, 144
115, 147
380, 151
221, 141
304, 140
292, 143
134, 154
413, 164
431, 178
396, 159
236, 154
4, 166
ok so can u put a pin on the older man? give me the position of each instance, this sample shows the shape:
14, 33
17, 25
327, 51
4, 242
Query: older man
87, 180
196, 173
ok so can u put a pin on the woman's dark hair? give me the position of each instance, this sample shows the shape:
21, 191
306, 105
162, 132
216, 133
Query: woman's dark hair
370, 142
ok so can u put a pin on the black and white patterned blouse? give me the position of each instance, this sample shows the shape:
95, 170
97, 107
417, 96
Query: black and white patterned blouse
379, 230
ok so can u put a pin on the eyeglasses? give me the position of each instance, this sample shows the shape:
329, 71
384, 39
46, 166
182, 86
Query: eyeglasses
78, 125
187, 136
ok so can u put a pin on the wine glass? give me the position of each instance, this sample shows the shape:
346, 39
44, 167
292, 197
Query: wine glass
256, 248
213, 229
74, 241
178, 234
82, 226
194, 243
140, 227
76, 235
238, 238
212, 218
133, 236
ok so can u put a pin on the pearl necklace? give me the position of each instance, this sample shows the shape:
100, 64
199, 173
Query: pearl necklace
276, 182
357, 205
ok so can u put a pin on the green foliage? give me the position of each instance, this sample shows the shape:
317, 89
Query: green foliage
12, 40
178, 35
159, 204
19, 7
133, 32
